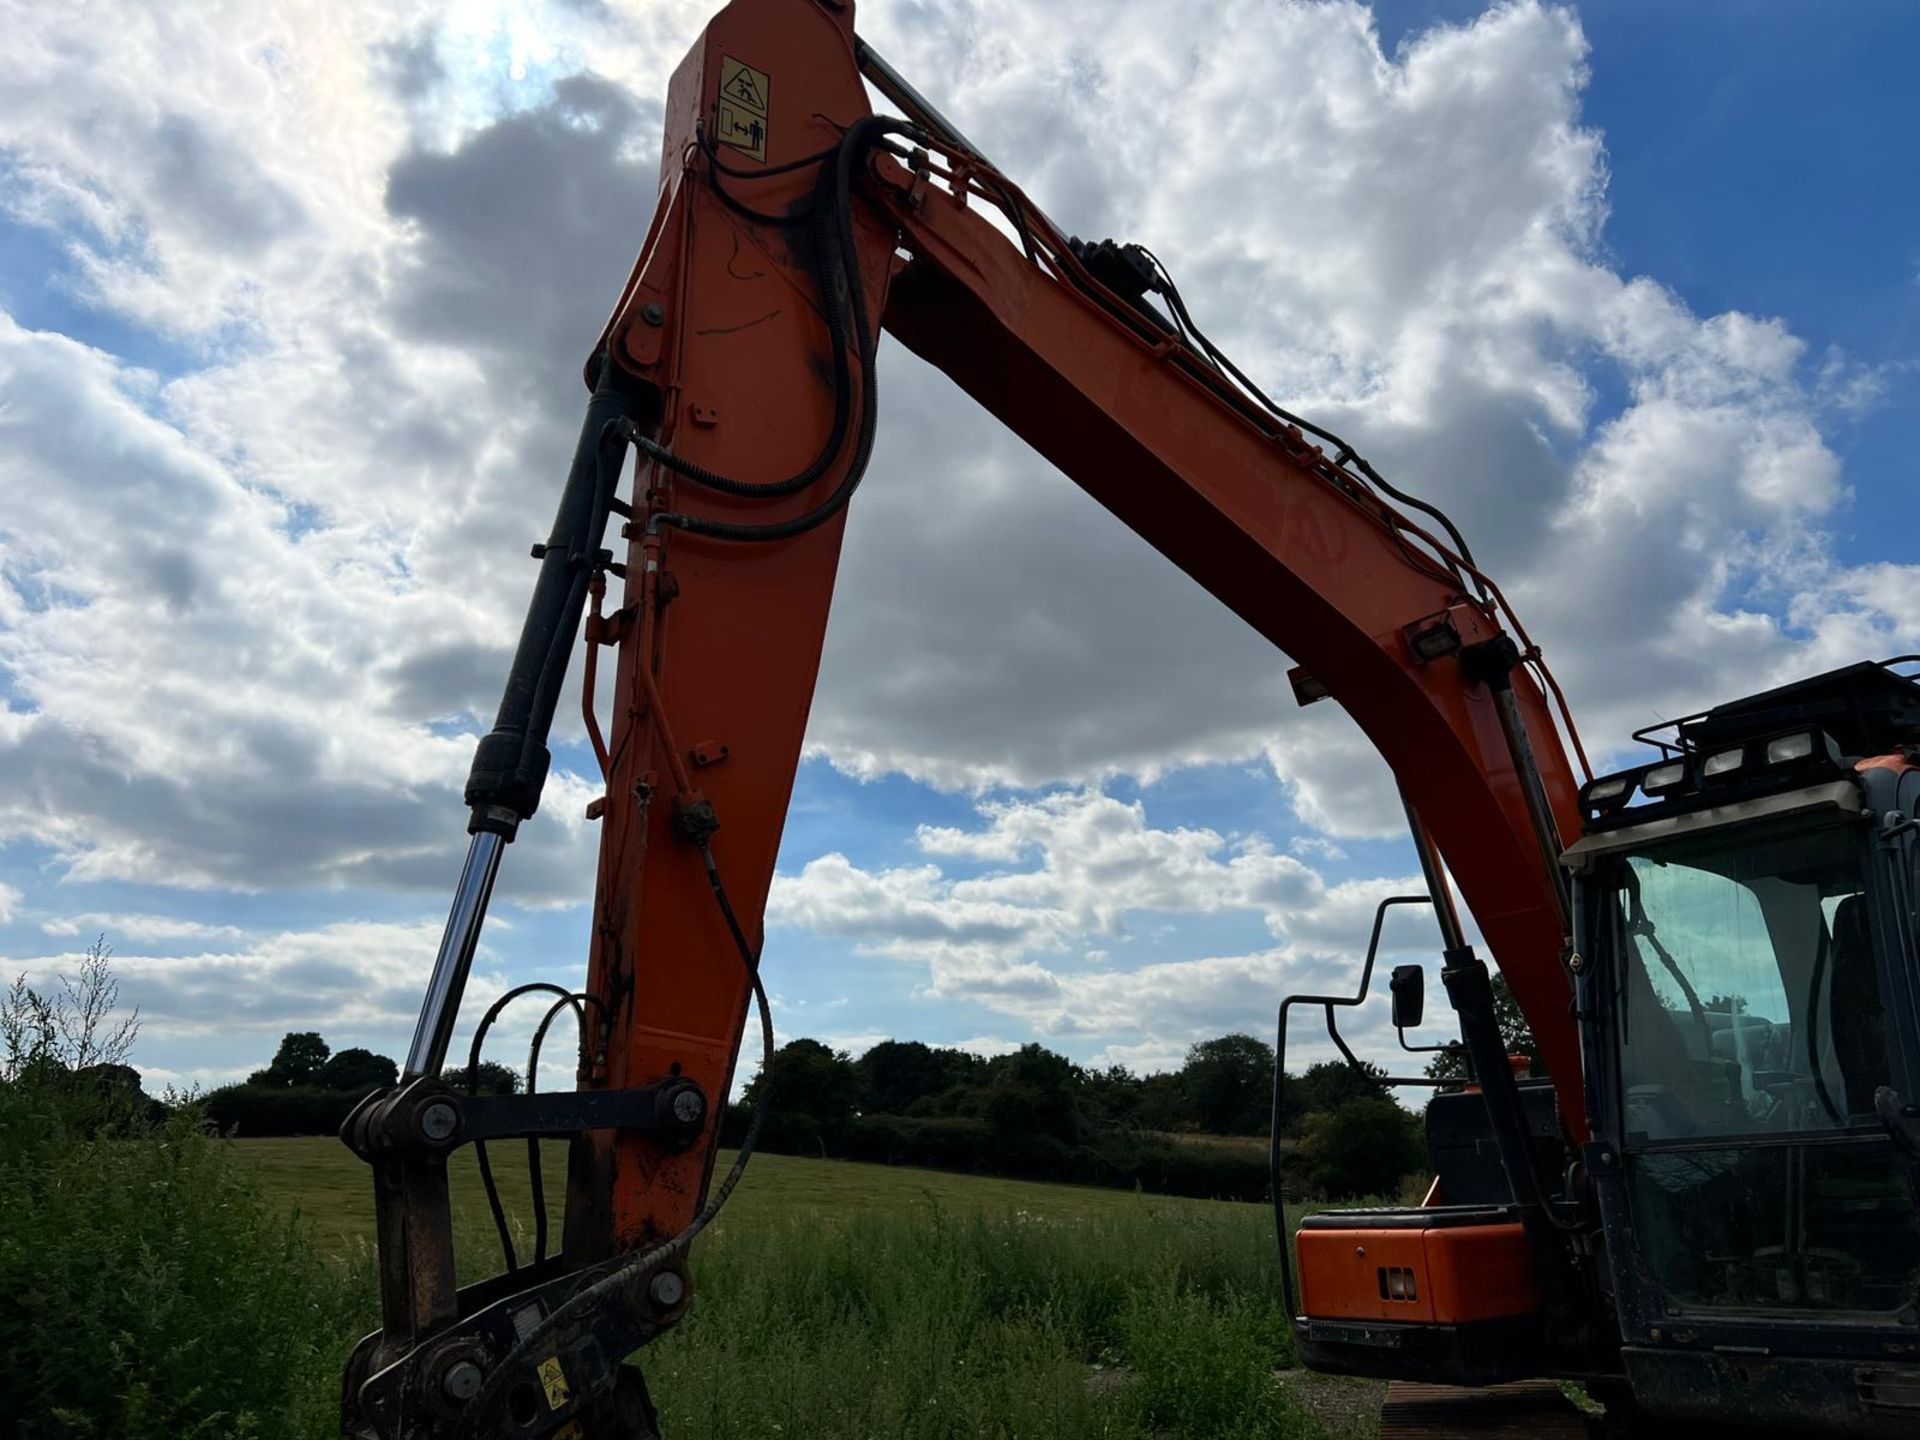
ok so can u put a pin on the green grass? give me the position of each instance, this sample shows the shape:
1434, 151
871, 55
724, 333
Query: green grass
333, 1192
842, 1301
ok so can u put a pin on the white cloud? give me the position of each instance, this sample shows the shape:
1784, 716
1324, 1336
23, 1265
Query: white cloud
366, 246
351, 977
122, 929
10, 898
212, 1014
1014, 940
1407, 248
1099, 861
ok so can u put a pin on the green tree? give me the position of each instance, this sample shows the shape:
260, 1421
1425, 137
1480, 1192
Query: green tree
1366, 1146
1451, 1064
63, 1053
898, 1075
1164, 1103
1112, 1096
74, 1028
1031, 1092
490, 1078
1230, 1084
357, 1069
298, 1061
810, 1079
1331, 1083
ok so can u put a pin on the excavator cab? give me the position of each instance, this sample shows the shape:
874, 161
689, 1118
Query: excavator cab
1745, 911
1743, 961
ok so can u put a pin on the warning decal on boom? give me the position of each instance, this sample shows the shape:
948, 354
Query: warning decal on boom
742, 118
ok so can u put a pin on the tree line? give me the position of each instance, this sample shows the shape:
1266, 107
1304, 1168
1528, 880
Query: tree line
1031, 1112
308, 1088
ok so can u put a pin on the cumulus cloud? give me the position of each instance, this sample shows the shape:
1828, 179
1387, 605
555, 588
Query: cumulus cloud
213, 1010
1083, 867
126, 928
352, 978
1408, 248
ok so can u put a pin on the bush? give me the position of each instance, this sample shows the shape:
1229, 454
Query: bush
1366, 1147
252, 1110
358, 1070
152, 1292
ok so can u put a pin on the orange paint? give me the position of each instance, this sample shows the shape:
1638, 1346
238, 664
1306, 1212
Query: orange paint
1458, 1274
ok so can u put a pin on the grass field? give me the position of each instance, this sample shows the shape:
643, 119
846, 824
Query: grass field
332, 1191
860, 1302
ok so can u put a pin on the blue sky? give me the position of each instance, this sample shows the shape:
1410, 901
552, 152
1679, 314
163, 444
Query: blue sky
1632, 288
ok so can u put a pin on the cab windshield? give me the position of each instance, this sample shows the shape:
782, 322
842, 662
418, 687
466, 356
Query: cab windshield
1751, 1002
1751, 1040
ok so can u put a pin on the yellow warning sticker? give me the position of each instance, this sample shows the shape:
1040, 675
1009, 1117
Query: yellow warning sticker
742, 117
554, 1379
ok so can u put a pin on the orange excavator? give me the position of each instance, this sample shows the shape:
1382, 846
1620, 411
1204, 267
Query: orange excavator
1704, 1209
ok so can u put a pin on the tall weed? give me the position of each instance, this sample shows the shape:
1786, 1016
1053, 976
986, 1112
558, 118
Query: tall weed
152, 1293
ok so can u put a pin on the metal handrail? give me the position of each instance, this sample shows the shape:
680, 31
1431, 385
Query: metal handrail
1327, 1004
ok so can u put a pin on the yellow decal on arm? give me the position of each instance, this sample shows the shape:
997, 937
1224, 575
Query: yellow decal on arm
741, 120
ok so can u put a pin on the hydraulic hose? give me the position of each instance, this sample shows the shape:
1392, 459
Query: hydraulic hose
843, 295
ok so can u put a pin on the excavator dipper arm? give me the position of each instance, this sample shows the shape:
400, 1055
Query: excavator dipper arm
738, 366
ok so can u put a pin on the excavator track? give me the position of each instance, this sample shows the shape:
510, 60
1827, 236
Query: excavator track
1533, 1409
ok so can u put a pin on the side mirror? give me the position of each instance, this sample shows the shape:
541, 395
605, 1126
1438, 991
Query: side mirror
1409, 990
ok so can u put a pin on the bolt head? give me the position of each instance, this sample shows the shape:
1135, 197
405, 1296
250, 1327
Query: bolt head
439, 1120
688, 1107
461, 1382
667, 1289
653, 313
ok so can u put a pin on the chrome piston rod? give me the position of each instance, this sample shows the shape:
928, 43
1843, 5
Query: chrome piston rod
450, 966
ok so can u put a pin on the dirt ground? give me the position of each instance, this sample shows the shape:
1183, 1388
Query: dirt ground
1347, 1409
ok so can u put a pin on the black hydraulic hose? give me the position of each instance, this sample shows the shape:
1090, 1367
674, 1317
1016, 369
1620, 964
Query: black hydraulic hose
487, 1182
510, 764
860, 136
536, 1171
1346, 451
835, 311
